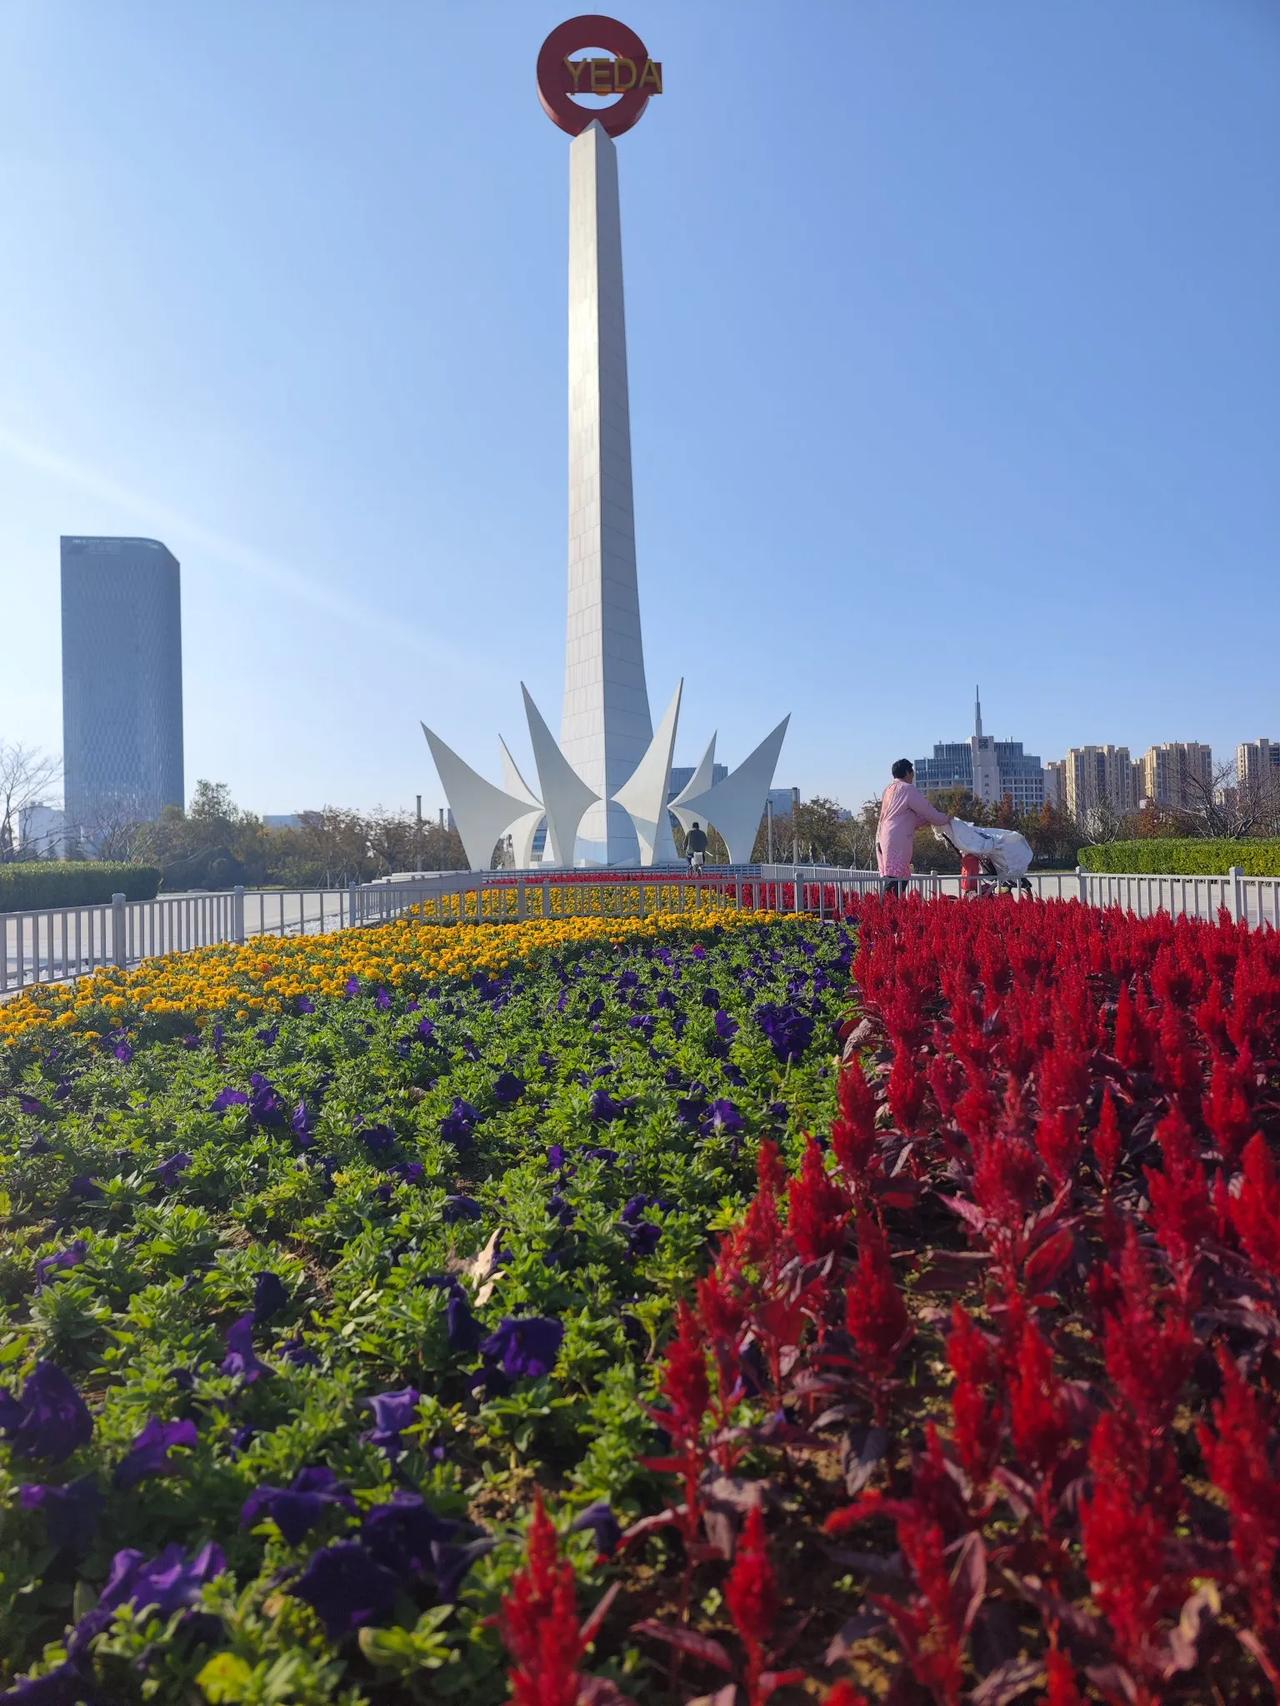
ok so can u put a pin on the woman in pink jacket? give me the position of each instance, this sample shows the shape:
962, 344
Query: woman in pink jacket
903, 810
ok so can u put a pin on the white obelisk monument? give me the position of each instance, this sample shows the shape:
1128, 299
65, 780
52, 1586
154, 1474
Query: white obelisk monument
606, 726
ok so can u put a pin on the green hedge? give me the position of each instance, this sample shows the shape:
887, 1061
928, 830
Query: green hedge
50, 882
1185, 858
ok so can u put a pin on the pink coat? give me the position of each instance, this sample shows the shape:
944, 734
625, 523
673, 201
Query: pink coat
903, 810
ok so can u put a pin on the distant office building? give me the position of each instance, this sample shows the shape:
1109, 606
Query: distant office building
282, 820
784, 801
121, 680
990, 769
41, 832
1096, 776
1179, 774
1258, 766
682, 775
1055, 783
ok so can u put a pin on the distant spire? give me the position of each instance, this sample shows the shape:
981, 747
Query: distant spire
977, 712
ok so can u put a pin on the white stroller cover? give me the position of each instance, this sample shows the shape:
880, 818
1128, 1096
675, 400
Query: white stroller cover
1008, 852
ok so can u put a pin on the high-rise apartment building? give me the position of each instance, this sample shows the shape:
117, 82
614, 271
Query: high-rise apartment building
121, 681
1097, 776
1178, 773
992, 770
1055, 783
1258, 766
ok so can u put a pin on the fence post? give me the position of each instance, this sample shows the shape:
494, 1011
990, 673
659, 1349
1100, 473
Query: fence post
797, 900
1236, 893
119, 927
237, 913
546, 898
1082, 879
352, 892
521, 903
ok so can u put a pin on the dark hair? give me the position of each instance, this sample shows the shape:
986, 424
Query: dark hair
902, 769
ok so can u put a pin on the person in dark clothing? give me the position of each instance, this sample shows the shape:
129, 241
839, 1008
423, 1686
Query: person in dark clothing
695, 847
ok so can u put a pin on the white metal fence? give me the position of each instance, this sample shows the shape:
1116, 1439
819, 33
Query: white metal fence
51, 944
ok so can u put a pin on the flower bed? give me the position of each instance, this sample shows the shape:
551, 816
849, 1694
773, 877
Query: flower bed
387, 1349
320, 1253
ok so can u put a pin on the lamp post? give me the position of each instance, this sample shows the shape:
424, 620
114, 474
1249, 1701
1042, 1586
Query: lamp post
768, 819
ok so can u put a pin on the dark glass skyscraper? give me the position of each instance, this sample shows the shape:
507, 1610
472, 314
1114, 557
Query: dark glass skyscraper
121, 680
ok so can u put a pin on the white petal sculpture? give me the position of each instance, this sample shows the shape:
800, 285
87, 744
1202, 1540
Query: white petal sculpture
698, 783
525, 828
734, 805
565, 796
482, 812
643, 796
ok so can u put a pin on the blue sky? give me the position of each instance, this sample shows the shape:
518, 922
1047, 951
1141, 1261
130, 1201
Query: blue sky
953, 346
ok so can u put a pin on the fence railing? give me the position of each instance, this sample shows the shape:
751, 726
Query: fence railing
52, 944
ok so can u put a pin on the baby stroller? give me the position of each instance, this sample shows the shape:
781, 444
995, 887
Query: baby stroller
991, 860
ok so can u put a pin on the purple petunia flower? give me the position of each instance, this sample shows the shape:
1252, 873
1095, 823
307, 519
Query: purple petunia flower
83, 1188
711, 997
546, 1061
555, 1157
524, 1346
460, 1207
229, 1098
71, 1257
149, 1453
726, 1027
393, 1412
508, 1088
299, 1353
402, 1533
167, 1172
379, 1140
71, 1513
561, 1209
304, 1004
600, 1521
267, 1035
302, 1124
605, 1109
30, 1104
48, 1418
266, 1104
346, 1588
167, 1582
642, 1237
690, 1109
788, 1031
123, 1051
457, 1125
66, 1685
411, 1172
351, 986
594, 1152
462, 1329
698, 951
240, 1359
723, 1115
382, 1000
269, 1296
426, 1030
297, 1508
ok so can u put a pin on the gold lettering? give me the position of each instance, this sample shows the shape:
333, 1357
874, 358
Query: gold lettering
575, 68
630, 65
651, 76
601, 77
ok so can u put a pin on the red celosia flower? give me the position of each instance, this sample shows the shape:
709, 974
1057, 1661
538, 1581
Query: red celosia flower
853, 1131
1148, 1358
751, 1593
1038, 1414
684, 1378
977, 1409
819, 1209
874, 1310
1058, 1140
1228, 1109
843, 1693
1061, 1677
1239, 1455
1126, 1548
539, 1622
906, 1091
1255, 1209
1132, 1048
1107, 1141
1005, 1175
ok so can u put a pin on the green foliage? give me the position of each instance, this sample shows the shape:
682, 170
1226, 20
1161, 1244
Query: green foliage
50, 882
1184, 858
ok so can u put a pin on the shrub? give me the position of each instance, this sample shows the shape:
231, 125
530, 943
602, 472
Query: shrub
1185, 858
75, 883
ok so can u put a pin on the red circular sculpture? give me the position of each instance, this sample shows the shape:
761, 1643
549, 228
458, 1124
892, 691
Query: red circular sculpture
559, 80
